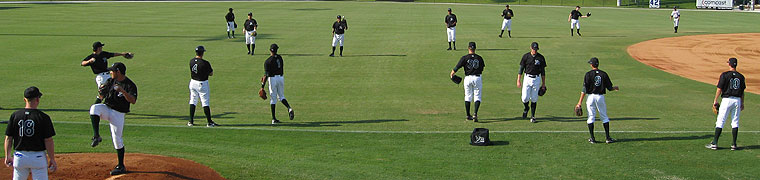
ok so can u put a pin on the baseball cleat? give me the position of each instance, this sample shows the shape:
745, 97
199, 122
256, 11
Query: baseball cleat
499, 36
533, 120
475, 118
291, 114
212, 124
468, 118
332, 55
96, 141
275, 121
525, 115
449, 49
190, 124
734, 147
711, 146
610, 140
119, 169
591, 140
249, 52
510, 36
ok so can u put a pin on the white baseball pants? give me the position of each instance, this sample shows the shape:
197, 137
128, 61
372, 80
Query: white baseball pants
729, 106
26, 162
593, 103
574, 23
276, 89
115, 119
231, 26
337, 39
675, 22
473, 86
101, 79
530, 88
451, 33
249, 38
507, 23
199, 90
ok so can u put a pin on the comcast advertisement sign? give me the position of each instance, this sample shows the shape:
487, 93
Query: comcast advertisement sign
715, 4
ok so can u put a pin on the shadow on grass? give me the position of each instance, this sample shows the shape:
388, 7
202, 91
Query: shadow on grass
583, 119
499, 143
288, 123
53, 110
496, 49
496, 120
303, 54
312, 9
198, 117
535, 37
667, 138
375, 55
239, 38
605, 36
172, 174
10, 8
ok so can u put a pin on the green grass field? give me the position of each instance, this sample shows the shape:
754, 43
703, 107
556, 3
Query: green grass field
387, 110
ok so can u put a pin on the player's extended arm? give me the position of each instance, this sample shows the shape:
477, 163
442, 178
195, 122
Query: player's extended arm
569, 16
580, 100
88, 62
519, 76
50, 147
717, 95
452, 73
8, 154
263, 81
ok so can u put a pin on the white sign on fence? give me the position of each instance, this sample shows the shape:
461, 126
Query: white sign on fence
715, 4
654, 3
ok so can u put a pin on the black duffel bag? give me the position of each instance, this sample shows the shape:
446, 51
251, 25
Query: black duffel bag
479, 137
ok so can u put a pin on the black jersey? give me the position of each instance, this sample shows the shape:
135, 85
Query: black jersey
575, 14
451, 20
507, 12
250, 24
29, 129
273, 65
731, 83
533, 65
596, 82
200, 69
101, 61
473, 64
340, 27
115, 99
230, 17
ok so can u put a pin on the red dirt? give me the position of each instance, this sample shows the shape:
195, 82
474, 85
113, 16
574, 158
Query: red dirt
139, 166
703, 57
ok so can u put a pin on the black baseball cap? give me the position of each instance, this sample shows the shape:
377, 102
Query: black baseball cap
534, 46
449, 9
250, 13
733, 62
594, 61
507, 5
32, 92
118, 66
274, 47
98, 44
230, 9
339, 16
200, 49
471, 45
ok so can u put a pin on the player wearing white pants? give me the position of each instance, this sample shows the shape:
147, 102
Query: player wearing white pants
276, 89
731, 85
29, 140
273, 68
26, 162
115, 120
533, 65
200, 71
451, 35
230, 17
531, 84
98, 62
675, 16
507, 14
101, 78
199, 90
451, 30
339, 29
473, 66
574, 19
506, 24
596, 83
337, 40
250, 33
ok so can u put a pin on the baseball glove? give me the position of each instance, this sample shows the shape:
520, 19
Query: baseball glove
254, 33
542, 91
578, 111
588, 14
262, 94
235, 25
129, 55
715, 108
456, 79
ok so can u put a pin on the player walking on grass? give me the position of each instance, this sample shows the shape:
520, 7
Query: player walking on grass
273, 68
230, 17
574, 19
451, 29
507, 23
595, 84
339, 28
675, 16
200, 70
473, 66
117, 93
98, 62
533, 64
731, 87
30, 134
250, 33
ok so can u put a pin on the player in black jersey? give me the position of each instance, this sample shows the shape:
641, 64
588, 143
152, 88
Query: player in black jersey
731, 87
533, 64
117, 93
595, 84
507, 23
451, 29
30, 134
250, 33
98, 62
339, 28
473, 66
273, 68
231, 25
200, 70
574, 19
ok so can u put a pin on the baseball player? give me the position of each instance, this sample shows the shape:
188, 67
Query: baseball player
230, 17
273, 68
473, 66
30, 133
731, 88
250, 33
574, 18
451, 30
595, 84
675, 16
117, 93
533, 64
200, 70
339, 28
507, 23
98, 62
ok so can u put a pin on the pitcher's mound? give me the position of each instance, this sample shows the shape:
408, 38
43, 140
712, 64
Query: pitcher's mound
139, 166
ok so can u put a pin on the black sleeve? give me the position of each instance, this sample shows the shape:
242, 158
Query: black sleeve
512, 12
522, 65
607, 82
255, 23
133, 91
210, 70
48, 130
543, 66
722, 82
587, 83
455, 18
460, 64
108, 54
11, 130
266, 67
